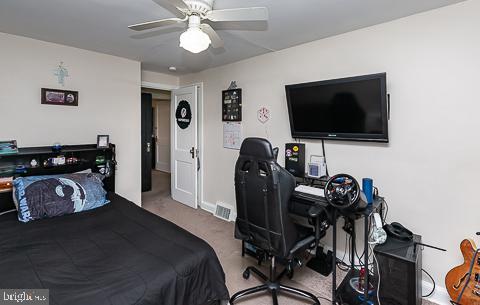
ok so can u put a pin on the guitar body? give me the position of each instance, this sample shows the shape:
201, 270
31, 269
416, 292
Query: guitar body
459, 277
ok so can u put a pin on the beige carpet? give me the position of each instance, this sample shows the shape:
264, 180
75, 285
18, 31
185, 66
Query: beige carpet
219, 234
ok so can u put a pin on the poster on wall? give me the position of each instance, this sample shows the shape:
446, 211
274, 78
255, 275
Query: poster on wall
232, 135
183, 114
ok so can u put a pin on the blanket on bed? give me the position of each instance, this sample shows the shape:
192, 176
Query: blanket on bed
117, 254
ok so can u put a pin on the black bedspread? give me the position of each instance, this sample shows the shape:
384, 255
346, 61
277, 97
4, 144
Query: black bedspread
117, 254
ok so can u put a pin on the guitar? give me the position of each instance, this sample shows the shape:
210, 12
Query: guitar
463, 282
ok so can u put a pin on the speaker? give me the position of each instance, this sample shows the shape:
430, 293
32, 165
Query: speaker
400, 266
295, 159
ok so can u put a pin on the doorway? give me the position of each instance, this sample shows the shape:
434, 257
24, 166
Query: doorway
155, 144
184, 171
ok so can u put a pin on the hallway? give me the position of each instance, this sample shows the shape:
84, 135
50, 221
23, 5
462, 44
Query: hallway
160, 188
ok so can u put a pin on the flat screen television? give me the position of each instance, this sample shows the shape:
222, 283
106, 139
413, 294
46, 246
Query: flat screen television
353, 108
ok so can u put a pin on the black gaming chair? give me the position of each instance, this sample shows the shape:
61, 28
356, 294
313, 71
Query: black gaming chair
263, 189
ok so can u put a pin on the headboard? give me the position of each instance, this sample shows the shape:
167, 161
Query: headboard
87, 157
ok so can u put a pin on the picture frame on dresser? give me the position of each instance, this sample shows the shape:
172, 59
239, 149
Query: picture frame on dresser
103, 141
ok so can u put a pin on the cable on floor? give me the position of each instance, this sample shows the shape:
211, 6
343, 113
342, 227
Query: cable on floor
433, 282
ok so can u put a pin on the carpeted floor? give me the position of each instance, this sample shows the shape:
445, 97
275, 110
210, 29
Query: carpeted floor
219, 234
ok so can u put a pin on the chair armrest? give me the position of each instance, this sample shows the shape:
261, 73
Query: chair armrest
314, 212
304, 243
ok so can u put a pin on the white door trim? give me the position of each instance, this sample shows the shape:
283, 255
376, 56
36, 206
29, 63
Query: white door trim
200, 142
158, 86
200, 108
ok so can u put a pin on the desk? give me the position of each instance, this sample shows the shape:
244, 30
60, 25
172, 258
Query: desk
299, 205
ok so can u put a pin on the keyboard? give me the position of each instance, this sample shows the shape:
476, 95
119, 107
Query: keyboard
310, 190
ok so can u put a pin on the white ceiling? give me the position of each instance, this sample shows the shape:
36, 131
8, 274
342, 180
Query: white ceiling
101, 25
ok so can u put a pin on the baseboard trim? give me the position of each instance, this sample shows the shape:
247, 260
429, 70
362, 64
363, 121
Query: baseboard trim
163, 167
208, 206
211, 207
440, 296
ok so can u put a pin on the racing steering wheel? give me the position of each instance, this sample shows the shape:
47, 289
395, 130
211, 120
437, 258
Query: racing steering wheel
342, 191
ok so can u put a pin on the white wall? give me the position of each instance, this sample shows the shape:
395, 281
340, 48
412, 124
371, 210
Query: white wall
109, 102
149, 77
162, 108
428, 172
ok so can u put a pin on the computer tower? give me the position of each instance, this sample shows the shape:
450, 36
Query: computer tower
295, 159
400, 266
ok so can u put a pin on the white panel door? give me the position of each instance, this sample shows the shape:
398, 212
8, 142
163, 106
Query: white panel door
184, 145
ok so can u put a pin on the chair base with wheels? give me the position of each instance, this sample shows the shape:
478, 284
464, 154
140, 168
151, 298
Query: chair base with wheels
272, 285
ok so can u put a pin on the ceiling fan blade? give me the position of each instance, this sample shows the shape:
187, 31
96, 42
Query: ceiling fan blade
155, 24
217, 42
179, 4
238, 14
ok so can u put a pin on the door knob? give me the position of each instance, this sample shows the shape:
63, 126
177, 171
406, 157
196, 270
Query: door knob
148, 147
192, 152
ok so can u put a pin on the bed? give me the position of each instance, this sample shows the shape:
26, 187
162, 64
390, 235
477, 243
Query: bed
116, 254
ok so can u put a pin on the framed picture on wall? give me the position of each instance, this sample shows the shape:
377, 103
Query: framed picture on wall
103, 141
59, 97
232, 105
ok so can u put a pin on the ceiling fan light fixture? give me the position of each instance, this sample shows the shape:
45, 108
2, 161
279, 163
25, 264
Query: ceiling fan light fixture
194, 40
200, 36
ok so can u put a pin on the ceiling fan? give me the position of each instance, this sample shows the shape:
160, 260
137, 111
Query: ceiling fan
199, 36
